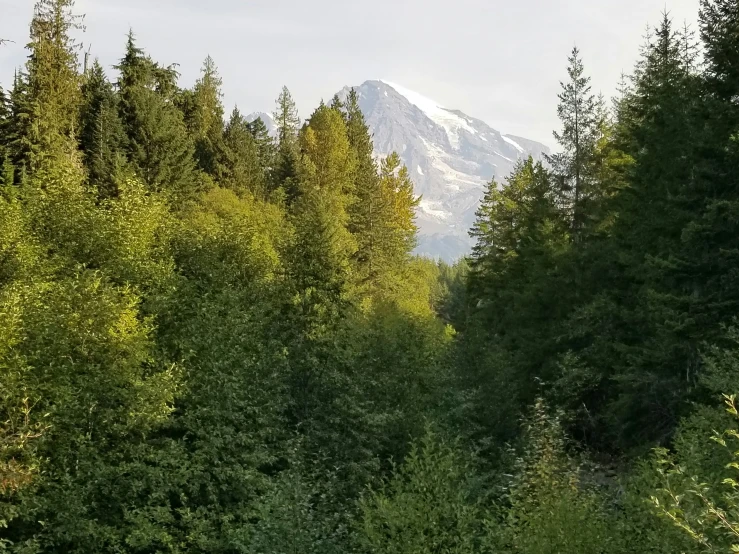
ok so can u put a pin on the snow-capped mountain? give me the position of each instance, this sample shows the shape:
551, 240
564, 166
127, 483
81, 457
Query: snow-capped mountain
450, 156
268, 120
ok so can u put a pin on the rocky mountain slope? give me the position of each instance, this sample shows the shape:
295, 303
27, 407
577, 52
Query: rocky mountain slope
451, 156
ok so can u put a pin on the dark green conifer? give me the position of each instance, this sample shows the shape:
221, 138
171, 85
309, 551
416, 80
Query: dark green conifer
102, 136
286, 158
159, 149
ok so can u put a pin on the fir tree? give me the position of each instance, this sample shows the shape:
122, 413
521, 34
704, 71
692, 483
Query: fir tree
240, 165
159, 150
286, 158
578, 112
102, 137
265, 145
369, 210
53, 82
7, 170
205, 121
325, 194
649, 301
399, 204
711, 237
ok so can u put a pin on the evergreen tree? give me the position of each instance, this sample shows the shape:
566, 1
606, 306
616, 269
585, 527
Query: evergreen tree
7, 170
159, 149
205, 120
324, 243
240, 164
52, 81
516, 295
712, 248
102, 137
19, 145
369, 209
634, 330
320, 272
658, 204
383, 211
578, 112
265, 145
287, 155
399, 203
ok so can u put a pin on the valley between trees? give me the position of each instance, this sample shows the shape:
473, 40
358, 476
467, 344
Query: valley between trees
216, 341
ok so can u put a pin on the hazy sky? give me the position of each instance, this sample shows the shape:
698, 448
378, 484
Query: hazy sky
498, 60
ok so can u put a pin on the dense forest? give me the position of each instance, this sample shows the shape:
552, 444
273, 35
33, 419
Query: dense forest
213, 340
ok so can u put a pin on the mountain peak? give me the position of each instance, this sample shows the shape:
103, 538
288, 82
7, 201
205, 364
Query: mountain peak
450, 156
452, 121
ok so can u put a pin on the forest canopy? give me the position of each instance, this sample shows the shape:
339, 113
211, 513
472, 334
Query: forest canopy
217, 339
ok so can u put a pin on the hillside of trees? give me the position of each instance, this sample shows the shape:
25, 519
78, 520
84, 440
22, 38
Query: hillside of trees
217, 341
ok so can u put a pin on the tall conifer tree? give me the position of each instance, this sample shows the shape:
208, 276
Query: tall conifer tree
239, 164
578, 112
265, 145
286, 158
159, 149
102, 136
52, 81
206, 118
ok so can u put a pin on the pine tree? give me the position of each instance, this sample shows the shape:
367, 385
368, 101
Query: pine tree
265, 145
286, 158
399, 204
7, 170
159, 150
578, 112
102, 136
53, 81
712, 237
369, 212
205, 121
644, 368
240, 167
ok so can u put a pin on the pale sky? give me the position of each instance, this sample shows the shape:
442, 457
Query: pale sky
498, 60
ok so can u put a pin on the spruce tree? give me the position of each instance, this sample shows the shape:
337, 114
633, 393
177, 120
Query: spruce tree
7, 170
52, 81
286, 158
239, 165
265, 145
578, 112
205, 120
102, 136
159, 149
